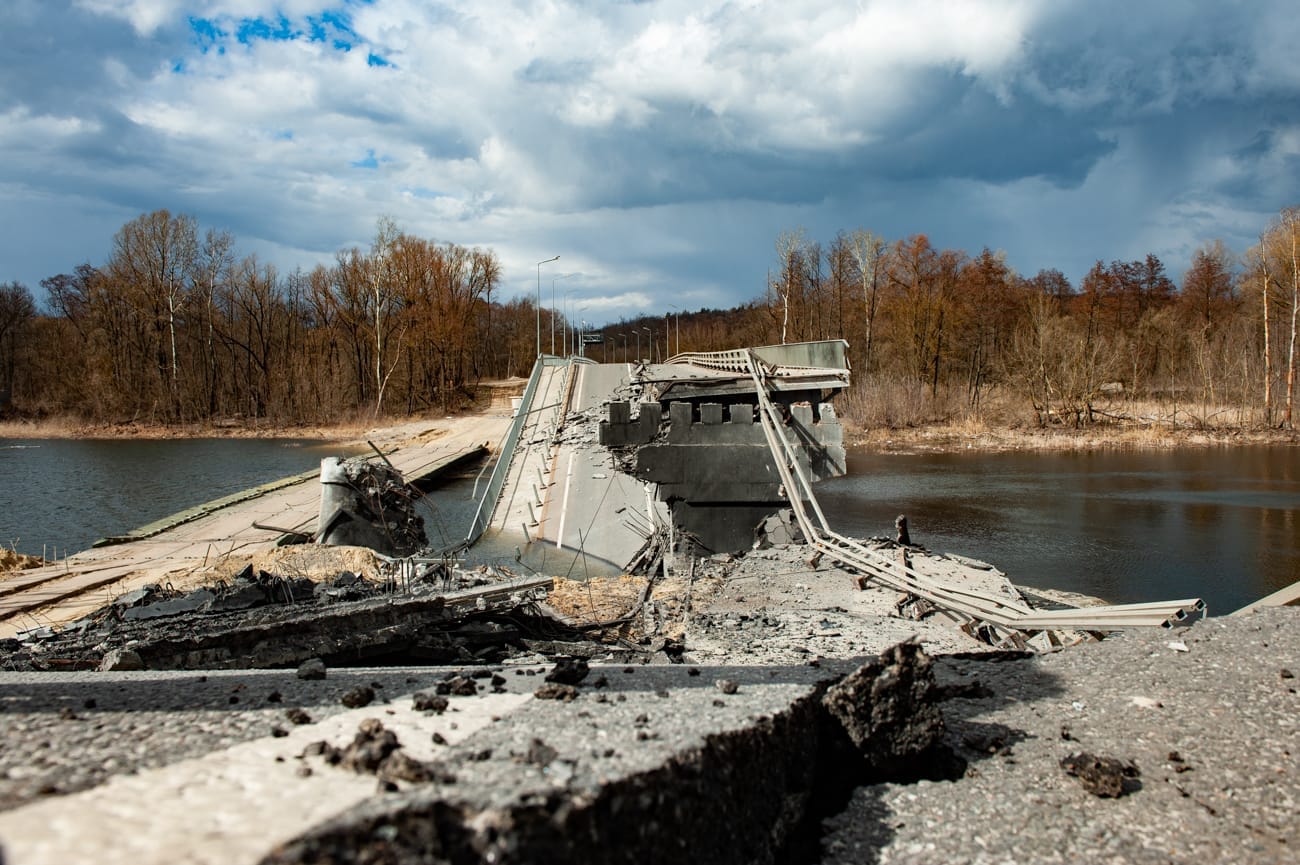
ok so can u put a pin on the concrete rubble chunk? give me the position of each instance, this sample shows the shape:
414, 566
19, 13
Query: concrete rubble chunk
312, 669
888, 707
121, 659
1104, 777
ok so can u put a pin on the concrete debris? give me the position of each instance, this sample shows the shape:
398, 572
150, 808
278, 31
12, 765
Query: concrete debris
887, 707
116, 660
487, 620
376, 751
1105, 777
369, 504
568, 671
312, 669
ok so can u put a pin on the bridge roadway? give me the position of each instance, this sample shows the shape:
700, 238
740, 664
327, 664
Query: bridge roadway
563, 488
593, 507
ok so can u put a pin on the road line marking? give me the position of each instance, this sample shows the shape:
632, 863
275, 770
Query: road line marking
564, 504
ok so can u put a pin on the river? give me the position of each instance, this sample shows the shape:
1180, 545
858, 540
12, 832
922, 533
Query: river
1219, 523
65, 494
1128, 526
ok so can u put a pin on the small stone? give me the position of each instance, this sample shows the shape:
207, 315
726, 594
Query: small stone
556, 691
279, 732
435, 703
297, 716
89, 703
1105, 777
568, 671
274, 697
726, 686
693, 671
313, 669
1286, 674
439, 739
460, 686
359, 696
540, 753
118, 660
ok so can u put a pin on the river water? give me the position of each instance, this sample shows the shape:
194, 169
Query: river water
1220, 524
65, 494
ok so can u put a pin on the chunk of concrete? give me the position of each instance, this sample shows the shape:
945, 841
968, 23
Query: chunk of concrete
887, 709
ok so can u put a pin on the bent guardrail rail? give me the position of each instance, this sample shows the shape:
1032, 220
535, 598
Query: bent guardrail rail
492, 493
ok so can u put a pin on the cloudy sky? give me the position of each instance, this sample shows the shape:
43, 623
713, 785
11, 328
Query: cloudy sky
659, 148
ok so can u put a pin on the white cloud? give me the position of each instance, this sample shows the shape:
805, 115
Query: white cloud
661, 146
146, 16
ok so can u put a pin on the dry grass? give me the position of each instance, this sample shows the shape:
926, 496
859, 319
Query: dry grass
12, 560
897, 416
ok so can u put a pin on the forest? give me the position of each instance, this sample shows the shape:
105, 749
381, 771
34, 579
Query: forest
177, 328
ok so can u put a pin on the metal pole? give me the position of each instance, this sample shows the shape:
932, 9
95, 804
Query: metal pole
539, 302
638, 345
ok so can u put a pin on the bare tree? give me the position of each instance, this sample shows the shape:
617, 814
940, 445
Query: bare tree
868, 249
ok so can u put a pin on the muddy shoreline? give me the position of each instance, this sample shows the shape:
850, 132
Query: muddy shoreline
930, 438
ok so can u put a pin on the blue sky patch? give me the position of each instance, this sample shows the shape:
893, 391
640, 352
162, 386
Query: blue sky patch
369, 162
279, 30
207, 34
375, 60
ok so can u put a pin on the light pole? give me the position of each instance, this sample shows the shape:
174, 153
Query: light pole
566, 331
677, 317
638, 344
539, 303
624, 336
553, 310
579, 349
650, 346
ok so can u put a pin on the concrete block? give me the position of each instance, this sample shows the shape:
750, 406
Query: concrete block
711, 413
652, 414
742, 413
679, 422
620, 413
802, 414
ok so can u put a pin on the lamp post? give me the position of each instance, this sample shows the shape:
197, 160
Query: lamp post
579, 348
638, 344
677, 318
650, 346
624, 336
539, 302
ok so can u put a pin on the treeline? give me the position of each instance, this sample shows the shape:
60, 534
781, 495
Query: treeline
176, 328
934, 334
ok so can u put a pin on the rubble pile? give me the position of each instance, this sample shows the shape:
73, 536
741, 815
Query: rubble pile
438, 613
375, 508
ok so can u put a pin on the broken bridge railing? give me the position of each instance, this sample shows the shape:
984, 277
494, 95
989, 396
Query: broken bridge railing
505, 455
977, 606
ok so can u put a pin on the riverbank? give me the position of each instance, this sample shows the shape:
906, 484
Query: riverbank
967, 436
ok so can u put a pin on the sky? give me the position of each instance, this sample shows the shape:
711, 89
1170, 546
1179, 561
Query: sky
658, 148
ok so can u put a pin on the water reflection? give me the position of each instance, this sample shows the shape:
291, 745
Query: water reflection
68, 493
1128, 526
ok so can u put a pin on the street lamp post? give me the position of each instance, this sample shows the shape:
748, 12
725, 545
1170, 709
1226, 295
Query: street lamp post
539, 303
578, 348
677, 318
650, 346
638, 344
624, 336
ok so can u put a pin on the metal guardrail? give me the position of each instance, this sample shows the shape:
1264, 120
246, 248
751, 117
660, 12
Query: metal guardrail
976, 606
505, 454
